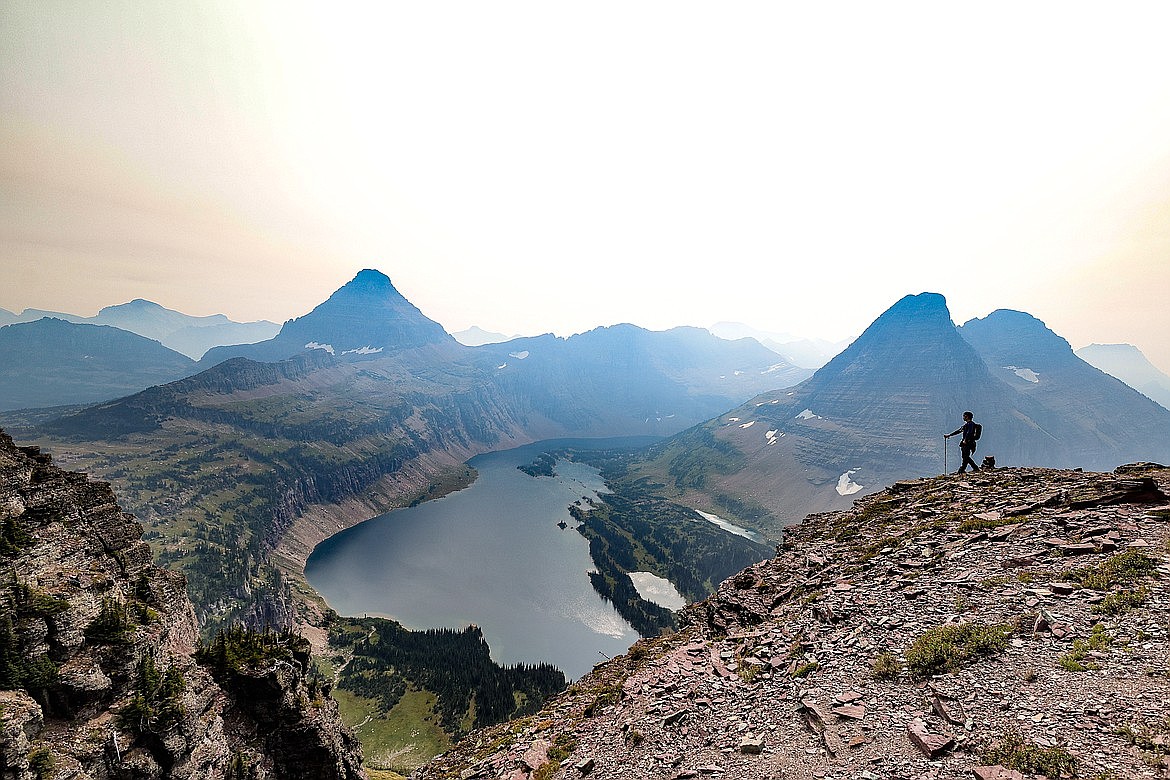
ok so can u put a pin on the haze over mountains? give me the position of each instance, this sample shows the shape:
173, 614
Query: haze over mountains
673, 378
617, 380
876, 414
476, 336
51, 362
364, 404
369, 384
809, 353
183, 333
1127, 363
377, 400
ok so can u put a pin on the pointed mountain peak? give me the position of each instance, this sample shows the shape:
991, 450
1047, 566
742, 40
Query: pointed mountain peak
923, 306
370, 279
919, 320
365, 315
913, 350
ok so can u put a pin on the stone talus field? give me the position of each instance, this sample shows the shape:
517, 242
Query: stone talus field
1010, 624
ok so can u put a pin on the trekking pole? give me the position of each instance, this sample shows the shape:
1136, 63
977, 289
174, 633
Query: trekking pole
944, 455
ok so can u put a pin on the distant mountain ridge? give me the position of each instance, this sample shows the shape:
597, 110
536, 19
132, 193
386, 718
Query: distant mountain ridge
876, 413
476, 336
393, 403
184, 333
810, 353
659, 377
1127, 363
51, 362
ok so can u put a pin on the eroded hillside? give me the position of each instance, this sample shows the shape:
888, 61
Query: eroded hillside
1008, 624
100, 672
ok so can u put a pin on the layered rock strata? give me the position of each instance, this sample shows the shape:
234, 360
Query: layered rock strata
97, 655
1009, 624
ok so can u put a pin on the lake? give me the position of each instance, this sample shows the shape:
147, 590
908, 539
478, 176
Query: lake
491, 555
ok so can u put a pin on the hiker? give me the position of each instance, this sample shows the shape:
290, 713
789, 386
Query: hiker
971, 431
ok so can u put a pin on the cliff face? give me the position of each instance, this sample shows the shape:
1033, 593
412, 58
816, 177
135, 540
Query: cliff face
98, 674
1008, 625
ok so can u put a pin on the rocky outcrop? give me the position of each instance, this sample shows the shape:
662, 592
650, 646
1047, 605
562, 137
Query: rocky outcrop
1009, 624
98, 669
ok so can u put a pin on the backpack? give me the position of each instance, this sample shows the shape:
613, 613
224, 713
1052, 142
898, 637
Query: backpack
978, 431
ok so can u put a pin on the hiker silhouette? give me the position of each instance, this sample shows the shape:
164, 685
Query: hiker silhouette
971, 432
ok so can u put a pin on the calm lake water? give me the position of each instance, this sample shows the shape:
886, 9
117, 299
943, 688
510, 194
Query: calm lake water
490, 555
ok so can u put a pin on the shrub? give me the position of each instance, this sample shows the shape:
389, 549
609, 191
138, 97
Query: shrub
13, 536
1076, 660
28, 602
1015, 752
155, 707
951, 647
886, 667
805, 670
1122, 601
236, 650
41, 763
112, 626
1121, 569
563, 745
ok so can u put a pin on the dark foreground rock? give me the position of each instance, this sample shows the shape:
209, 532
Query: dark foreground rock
1006, 624
98, 677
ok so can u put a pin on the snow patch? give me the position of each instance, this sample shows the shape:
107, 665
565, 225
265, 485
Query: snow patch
366, 350
807, 414
657, 590
771, 436
1025, 373
502, 365
519, 355
846, 486
731, 528
732, 419
739, 373
775, 368
327, 347
748, 424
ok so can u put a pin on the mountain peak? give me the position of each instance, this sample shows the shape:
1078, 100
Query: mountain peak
136, 305
365, 316
923, 305
370, 279
919, 321
1006, 335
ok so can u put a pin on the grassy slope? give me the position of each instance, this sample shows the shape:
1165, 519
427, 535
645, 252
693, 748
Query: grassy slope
402, 739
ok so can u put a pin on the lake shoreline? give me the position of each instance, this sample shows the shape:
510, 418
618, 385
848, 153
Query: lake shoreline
447, 565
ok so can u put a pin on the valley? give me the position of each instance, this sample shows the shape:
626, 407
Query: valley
240, 471
517, 391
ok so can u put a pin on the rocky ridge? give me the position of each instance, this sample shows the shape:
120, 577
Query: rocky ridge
99, 676
1001, 625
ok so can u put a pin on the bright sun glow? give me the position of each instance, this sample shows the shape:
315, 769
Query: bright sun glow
542, 166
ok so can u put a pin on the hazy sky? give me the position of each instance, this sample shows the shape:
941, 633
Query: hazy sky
548, 166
